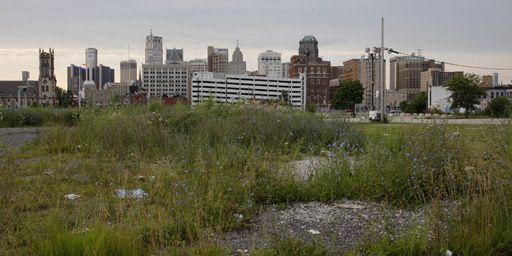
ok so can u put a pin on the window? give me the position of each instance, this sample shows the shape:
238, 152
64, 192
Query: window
300, 70
318, 81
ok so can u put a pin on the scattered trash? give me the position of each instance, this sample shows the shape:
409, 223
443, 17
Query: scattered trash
72, 197
238, 216
350, 206
137, 193
242, 252
449, 253
314, 232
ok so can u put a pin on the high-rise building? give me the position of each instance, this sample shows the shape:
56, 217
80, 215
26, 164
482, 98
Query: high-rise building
436, 77
405, 73
47, 79
237, 65
285, 70
370, 78
317, 71
91, 62
269, 64
154, 49
351, 69
218, 60
486, 81
103, 75
76, 77
495, 79
166, 80
336, 72
174, 56
128, 70
198, 66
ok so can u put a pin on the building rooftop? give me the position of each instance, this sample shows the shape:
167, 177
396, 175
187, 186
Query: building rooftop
309, 38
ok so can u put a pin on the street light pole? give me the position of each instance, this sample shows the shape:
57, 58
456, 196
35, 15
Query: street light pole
382, 80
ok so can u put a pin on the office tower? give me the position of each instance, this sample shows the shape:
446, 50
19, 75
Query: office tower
218, 60
370, 78
284, 70
436, 77
76, 77
198, 65
237, 66
351, 69
128, 70
91, 62
154, 49
161, 80
405, 73
103, 75
174, 56
269, 64
495, 79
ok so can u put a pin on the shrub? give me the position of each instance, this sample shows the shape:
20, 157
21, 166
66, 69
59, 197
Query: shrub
500, 107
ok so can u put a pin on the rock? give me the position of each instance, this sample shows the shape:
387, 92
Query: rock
136, 193
242, 252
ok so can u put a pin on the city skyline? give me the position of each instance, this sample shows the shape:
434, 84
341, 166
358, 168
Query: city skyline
464, 32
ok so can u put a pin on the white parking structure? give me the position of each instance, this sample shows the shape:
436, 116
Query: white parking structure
233, 88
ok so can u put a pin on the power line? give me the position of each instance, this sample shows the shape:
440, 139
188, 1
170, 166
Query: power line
458, 65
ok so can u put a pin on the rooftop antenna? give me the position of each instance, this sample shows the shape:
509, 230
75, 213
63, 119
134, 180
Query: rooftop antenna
128, 51
237, 43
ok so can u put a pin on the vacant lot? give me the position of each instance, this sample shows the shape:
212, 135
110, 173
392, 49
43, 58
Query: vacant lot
220, 180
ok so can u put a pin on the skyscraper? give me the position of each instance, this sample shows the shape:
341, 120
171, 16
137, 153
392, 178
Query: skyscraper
218, 60
174, 56
128, 70
237, 66
47, 80
269, 64
103, 75
76, 76
154, 49
405, 73
495, 79
91, 62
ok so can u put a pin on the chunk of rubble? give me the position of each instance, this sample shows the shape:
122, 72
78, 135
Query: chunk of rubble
135, 194
314, 232
72, 197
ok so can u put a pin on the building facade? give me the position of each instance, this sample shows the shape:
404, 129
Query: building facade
405, 73
198, 65
351, 69
436, 77
103, 75
9, 94
76, 78
234, 88
154, 49
269, 64
128, 69
47, 80
486, 81
237, 66
218, 60
174, 56
285, 72
370, 78
317, 72
166, 80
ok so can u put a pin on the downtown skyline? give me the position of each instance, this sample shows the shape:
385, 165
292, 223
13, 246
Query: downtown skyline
461, 32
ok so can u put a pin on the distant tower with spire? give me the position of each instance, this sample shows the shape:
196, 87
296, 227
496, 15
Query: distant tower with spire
47, 80
154, 49
237, 66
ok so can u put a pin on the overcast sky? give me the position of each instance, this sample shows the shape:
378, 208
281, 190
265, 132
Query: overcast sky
471, 32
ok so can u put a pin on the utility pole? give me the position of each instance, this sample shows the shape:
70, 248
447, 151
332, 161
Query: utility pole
382, 80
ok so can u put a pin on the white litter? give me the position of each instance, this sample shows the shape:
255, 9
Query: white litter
72, 197
314, 232
137, 193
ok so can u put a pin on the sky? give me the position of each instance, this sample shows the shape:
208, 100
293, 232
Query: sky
470, 32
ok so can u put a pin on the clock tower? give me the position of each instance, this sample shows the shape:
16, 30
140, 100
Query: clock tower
47, 80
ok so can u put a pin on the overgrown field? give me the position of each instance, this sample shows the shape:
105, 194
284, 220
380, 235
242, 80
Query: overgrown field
208, 170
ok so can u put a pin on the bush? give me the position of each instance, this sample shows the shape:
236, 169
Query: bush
500, 107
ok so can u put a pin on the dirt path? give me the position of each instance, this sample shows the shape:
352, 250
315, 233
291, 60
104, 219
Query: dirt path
12, 138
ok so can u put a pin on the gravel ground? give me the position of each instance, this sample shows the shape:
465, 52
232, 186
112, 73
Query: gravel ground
340, 226
12, 138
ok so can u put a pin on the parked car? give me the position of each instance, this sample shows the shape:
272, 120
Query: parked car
374, 116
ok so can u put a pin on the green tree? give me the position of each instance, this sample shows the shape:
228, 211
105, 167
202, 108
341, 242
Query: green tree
64, 97
500, 107
348, 95
417, 105
466, 92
